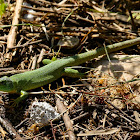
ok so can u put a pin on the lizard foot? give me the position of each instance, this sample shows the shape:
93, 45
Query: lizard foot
15, 102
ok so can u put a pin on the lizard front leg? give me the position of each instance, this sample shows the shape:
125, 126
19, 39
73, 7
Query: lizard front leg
23, 96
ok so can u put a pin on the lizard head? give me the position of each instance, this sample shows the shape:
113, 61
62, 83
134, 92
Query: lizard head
6, 84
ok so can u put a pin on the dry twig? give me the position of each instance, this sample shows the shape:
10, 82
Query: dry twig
66, 119
13, 31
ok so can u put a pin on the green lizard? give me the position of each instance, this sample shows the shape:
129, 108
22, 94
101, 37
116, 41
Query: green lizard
20, 83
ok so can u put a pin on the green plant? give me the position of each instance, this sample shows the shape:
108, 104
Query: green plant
2, 8
136, 15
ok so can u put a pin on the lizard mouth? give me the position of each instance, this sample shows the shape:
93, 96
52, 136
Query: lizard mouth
6, 84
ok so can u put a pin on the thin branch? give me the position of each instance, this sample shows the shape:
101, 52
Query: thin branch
13, 31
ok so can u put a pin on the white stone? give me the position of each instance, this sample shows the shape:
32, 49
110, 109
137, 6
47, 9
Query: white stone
42, 112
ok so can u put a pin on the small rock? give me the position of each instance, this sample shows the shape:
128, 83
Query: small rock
42, 112
68, 42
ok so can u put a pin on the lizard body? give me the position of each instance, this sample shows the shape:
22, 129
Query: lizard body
51, 72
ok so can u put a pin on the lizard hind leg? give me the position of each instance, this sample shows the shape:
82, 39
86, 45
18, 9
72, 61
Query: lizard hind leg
46, 61
73, 73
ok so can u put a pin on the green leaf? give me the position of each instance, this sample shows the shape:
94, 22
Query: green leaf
135, 15
138, 17
2, 7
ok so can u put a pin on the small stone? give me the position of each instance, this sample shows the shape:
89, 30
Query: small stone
42, 112
68, 42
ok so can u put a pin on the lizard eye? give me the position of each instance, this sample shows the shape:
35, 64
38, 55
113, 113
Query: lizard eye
3, 82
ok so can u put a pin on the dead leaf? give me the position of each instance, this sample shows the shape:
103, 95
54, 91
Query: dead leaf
3, 133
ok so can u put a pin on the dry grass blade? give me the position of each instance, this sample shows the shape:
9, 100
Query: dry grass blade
100, 132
